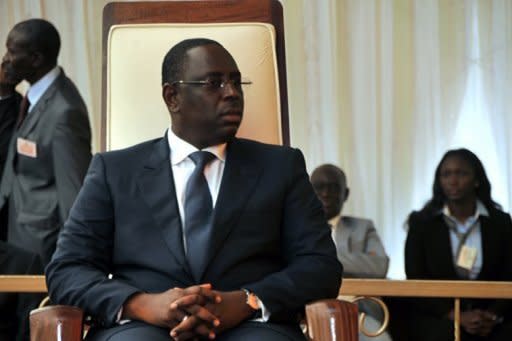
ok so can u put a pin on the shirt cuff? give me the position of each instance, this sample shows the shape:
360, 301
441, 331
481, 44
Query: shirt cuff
265, 314
119, 321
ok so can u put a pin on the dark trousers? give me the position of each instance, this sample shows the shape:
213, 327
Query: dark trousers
247, 331
39, 237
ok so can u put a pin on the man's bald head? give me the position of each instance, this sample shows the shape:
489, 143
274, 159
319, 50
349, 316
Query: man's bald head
330, 184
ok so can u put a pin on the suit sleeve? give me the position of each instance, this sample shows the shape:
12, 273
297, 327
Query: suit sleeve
312, 270
84, 249
371, 262
71, 148
8, 114
504, 307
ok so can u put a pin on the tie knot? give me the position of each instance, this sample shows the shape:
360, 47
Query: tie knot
201, 158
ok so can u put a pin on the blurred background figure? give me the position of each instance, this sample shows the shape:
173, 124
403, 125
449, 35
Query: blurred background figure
9, 108
460, 234
50, 149
358, 245
14, 307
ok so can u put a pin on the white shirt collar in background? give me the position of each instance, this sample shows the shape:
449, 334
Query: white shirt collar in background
37, 89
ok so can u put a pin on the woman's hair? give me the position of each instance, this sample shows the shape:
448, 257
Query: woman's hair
482, 191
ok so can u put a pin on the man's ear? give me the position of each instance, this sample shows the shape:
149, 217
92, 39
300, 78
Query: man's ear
38, 60
170, 96
347, 192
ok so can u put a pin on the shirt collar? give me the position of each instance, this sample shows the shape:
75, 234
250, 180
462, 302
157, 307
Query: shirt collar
335, 220
481, 210
181, 149
37, 89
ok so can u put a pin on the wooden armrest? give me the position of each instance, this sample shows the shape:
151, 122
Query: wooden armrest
57, 322
332, 320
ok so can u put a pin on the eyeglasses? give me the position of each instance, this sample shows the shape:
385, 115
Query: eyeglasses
332, 188
215, 84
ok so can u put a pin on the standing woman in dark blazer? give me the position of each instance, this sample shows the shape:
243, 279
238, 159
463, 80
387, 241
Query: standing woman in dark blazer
460, 234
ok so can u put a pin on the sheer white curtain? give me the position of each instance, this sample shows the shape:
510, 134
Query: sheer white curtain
384, 88
380, 88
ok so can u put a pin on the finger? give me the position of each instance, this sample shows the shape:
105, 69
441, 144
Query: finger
206, 291
183, 336
204, 315
206, 331
187, 324
188, 300
196, 289
191, 326
178, 317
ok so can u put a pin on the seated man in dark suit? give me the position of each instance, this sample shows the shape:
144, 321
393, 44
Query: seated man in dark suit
198, 234
357, 243
14, 307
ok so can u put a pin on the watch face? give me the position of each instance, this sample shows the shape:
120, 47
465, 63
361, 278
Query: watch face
252, 300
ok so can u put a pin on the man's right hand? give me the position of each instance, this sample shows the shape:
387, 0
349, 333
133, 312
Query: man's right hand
169, 308
7, 82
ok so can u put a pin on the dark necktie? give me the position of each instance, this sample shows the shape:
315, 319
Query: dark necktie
24, 105
198, 214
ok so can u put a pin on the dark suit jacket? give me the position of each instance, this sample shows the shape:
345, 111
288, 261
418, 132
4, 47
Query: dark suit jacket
15, 308
428, 255
44, 188
9, 108
270, 234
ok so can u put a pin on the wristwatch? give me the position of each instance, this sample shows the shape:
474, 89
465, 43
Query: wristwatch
254, 302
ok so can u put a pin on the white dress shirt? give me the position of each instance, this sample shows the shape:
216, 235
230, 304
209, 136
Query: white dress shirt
183, 166
474, 238
37, 89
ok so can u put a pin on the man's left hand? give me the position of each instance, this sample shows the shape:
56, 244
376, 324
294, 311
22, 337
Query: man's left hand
231, 311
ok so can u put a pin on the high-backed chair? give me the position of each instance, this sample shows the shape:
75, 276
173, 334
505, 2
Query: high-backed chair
136, 36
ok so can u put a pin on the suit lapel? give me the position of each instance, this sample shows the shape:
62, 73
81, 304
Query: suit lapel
344, 232
440, 235
489, 238
239, 180
34, 116
157, 188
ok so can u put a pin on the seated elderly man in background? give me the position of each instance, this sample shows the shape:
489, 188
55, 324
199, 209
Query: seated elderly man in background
358, 245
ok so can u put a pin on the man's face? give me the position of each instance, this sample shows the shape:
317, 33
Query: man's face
331, 189
19, 60
8, 80
206, 115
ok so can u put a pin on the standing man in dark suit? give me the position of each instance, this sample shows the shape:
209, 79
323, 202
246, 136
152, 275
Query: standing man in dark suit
50, 150
240, 268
